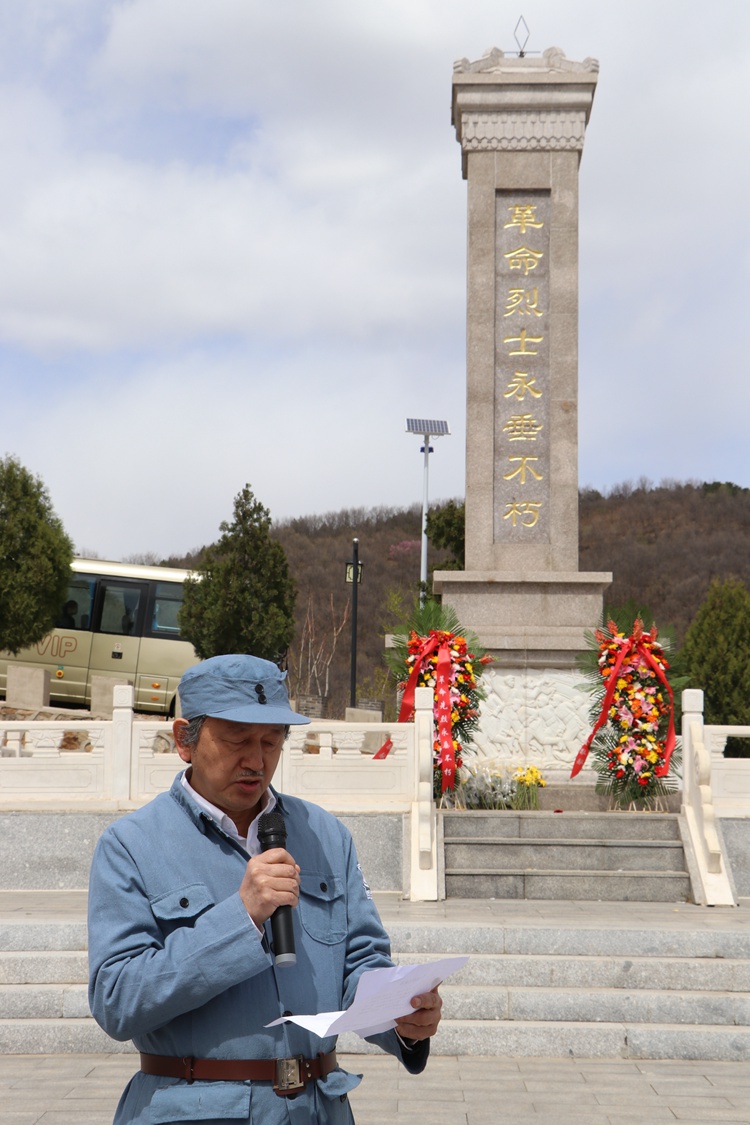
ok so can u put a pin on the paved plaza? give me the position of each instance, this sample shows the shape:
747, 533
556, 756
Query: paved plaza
83, 1090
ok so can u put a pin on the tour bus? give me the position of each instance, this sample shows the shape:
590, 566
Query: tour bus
117, 619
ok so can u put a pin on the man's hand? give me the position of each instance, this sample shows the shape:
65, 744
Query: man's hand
423, 1022
271, 879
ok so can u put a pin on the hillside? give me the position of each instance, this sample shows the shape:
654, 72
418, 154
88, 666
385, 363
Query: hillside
663, 544
318, 549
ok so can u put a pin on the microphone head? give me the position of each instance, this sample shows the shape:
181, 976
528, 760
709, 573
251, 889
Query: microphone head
271, 830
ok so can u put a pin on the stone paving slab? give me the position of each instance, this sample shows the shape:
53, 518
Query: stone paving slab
466, 1090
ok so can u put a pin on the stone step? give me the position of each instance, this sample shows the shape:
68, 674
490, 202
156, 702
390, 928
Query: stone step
57, 1037
528, 989
578, 972
521, 970
474, 1002
576, 798
43, 1001
594, 1005
504, 1038
573, 1039
564, 884
583, 856
43, 967
636, 941
608, 826
541, 854
29, 940
27, 935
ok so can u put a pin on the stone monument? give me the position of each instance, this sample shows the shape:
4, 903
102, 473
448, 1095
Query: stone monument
521, 124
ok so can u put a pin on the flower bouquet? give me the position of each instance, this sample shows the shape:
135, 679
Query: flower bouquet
633, 738
435, 653
481, 788
527, 782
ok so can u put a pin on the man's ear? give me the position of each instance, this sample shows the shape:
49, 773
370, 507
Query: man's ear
178, 727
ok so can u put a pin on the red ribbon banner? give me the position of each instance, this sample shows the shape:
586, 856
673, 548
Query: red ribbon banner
407, 703
384, 751
442, 708
447, 756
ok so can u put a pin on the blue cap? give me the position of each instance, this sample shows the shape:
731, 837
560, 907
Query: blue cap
241, 689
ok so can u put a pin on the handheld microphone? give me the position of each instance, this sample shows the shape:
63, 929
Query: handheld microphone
272, 834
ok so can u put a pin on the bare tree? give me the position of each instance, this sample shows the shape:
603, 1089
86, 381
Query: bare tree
310, 659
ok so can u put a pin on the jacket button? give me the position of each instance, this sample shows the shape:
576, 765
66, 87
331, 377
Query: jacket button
184, 902
288, 1014
324, 886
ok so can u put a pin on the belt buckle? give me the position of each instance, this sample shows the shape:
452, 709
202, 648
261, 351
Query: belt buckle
289, 1079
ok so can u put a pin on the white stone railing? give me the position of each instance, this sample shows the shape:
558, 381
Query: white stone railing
122, 763
701, 773
730, 777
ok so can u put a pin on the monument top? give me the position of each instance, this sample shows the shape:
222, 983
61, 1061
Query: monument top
507, 103
553, 63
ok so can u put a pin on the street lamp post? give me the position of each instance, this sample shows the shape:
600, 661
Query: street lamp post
427, 429
354, 575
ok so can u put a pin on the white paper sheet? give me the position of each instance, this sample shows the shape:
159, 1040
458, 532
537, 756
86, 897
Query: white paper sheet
383, 996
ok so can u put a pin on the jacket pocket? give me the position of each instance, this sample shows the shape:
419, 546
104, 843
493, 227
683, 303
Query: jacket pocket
182, 905
209, 1102
322, 908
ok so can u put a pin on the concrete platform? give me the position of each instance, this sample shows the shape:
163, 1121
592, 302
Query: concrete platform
70, 906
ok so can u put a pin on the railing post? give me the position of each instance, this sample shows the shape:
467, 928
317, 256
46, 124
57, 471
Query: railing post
12, 744
424, 866
698, 809
692, 713
122, 741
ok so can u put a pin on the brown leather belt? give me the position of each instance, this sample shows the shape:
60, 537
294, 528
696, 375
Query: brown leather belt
288, 1076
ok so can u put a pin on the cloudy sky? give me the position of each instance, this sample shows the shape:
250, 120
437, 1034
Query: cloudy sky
232, 250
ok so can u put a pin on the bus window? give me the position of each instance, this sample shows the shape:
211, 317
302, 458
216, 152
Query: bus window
76, 610
120, 607
167, 605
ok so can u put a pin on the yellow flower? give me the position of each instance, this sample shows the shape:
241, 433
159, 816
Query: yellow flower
530, 776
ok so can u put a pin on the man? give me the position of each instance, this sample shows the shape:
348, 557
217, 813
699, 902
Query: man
180, 942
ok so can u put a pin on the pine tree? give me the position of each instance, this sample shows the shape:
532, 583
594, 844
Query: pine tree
446, 528
35, 558
717, 653
242, 598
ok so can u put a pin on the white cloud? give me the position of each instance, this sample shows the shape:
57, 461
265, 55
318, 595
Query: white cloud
232, 249
101, 254
152, 462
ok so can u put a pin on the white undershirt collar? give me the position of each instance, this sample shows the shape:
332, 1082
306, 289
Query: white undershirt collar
250, 842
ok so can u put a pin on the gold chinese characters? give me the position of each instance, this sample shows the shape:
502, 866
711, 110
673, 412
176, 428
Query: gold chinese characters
518, 301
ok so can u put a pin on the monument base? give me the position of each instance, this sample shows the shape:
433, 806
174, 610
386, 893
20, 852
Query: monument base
526, 620
533, 625
532, 717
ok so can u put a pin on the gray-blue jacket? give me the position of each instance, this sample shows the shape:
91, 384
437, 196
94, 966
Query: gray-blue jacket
177, 965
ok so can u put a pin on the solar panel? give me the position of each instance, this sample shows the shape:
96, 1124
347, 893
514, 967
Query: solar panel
423, 426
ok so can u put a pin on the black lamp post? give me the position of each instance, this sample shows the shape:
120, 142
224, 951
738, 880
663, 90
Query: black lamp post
354, 575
